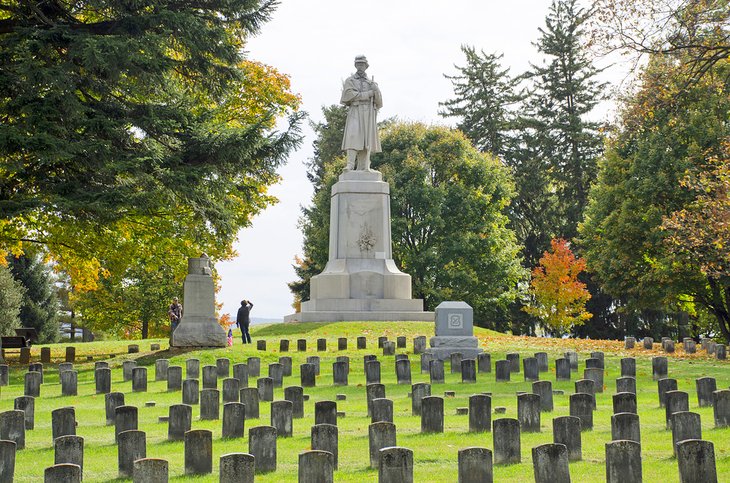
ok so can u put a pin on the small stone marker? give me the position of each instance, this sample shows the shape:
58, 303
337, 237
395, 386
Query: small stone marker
132, 349
45, 355
63, 473
581, 406
388, 348
63, 422
596, 375
179, 421
192, 369
282, 418
502, 371
506, 440
174, 378
250, 398
7, 460
12, 427
676, 401
419, 344
544, 389
32, 385
705, 387
436, 371
403, 371
340, 371
295, 394
572, 357
191, 391
382, 340
721, 352
265, 386
321, 345
663, 386
314, 360
127, 367
240, 372
223, 365
209, 404
301, 345
721, 404
262, 446
316, 467
325, 412
210, 377
342, 344
69, 383
528, 412
514, 362
198, 452
150, 470
530, 369
230, 390
396, 465
567, 431
626, 384
648, 343
624, 402
468, 371
373, 391
629, 342
380, 435
237, 468
628, 367
659, 367
542, 361
70, 354
625, 426
234, 416
432, 414
623, 462
4, 375
307, 376
480, 414
324, 437
418, 392
381, 409
550, 463
27, 405
254, 366
261, 345
125, 419
562, 369
696, 461
475, 465
103, 380
112, 400
362, 342
586, 386
69, 449
139, 379
372, 372
685, 425
131, 446
484, 363
284, 345
455, 359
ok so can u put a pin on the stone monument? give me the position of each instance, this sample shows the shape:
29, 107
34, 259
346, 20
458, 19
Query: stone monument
361, 281
454, 332
199, 326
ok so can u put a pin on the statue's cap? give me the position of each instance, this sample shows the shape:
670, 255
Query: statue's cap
361, 58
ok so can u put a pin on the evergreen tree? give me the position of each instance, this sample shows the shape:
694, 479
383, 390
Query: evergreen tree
40, 303
484, 103
564, 92
11, 299
134, 126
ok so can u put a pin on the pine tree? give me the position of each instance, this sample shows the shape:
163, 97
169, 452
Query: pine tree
563, 95
484, 103
136, 121
40, 303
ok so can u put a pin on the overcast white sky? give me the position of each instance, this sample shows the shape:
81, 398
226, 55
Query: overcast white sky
410, 45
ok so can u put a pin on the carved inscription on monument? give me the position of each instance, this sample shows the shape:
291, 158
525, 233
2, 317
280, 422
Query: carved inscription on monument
456, 321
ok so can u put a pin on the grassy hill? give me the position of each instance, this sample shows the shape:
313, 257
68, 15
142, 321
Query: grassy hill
435, 455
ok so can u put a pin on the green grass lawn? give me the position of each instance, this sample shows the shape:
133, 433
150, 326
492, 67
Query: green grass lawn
435, 455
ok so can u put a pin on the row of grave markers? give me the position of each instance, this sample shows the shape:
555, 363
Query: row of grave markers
582, 404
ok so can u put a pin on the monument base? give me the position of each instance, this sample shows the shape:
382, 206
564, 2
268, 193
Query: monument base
331, 316
199, 332
443, 346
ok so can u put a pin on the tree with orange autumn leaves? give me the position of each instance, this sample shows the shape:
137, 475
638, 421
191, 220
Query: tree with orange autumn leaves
559, 298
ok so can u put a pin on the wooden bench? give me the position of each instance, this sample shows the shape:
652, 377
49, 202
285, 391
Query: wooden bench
14, 342
29, 333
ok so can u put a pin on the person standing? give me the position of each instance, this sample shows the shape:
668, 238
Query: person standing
175, 312
243, 320
363, 99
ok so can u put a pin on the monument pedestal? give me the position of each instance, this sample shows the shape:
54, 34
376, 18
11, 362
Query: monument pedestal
361, 281
454, 332
199, 326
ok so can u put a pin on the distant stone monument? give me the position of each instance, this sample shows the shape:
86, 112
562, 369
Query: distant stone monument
361, 281
199, 326
454, 332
